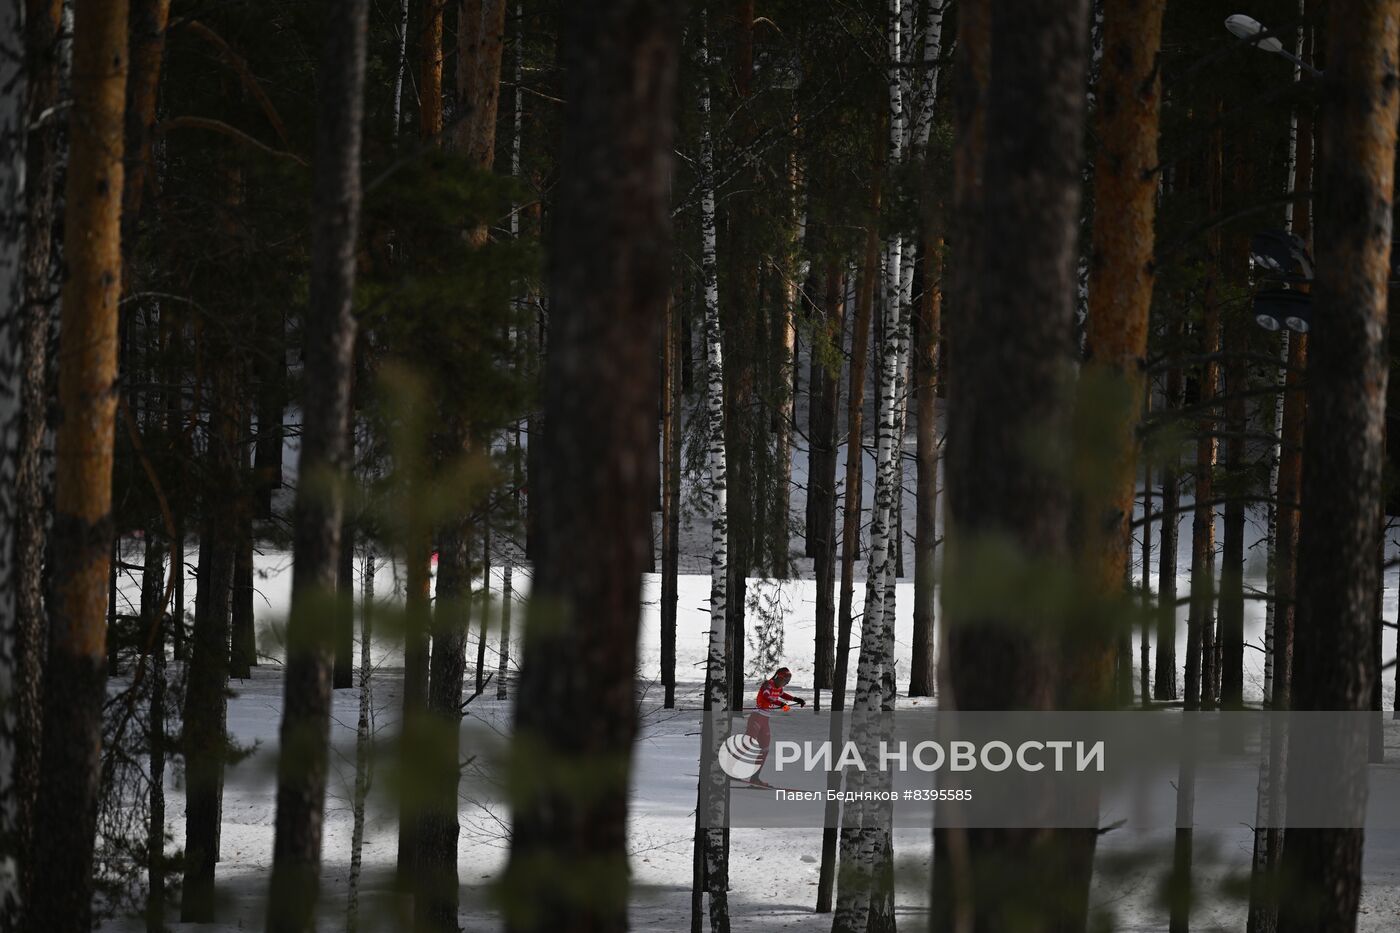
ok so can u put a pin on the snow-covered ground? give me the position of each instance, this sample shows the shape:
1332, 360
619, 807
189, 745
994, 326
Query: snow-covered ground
774, 872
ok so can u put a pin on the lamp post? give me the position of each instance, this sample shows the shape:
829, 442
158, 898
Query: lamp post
1251, 30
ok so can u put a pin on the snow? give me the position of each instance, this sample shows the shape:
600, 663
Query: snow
773, 873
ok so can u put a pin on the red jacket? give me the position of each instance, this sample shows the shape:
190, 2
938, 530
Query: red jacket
771, 696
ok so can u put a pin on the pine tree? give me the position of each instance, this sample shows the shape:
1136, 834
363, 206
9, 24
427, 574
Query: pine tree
850, 526
479, 54
13, 133
32, 482
75, 680
1112, 383
927, 327
1007, 503
1342, 464
362, 739
609, 282
335, 211
153, 597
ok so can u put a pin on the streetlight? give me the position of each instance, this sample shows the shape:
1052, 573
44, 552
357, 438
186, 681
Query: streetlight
1250, 29
1281, 257
1277, 308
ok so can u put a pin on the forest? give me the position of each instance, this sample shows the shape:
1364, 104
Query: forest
451, 451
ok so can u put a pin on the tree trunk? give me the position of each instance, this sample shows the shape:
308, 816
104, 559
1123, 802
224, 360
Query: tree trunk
481, 46
330, 328
1287, 480
821, 481
1145, 644
419, 544
243, 655
1111, 386
43, 67
153, 612
1112, 383
609, 284
206, 704
485, 607
1165, 685
438, 758
343, 667
1200, 660
149, 19
13, 129
75, 681
1017, 310
503, 656
1342, 465
930, 322
362, 740
670, 499
417, 613
1236, 343
744, 345
850, 527
713, 790
430, 50
866, 856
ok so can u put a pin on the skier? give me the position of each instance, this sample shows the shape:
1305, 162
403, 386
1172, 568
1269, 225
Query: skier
771, 699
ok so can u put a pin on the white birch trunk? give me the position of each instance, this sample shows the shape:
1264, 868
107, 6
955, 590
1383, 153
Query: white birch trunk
716, 784
12, 166
928, 95
1269, 800
862, 839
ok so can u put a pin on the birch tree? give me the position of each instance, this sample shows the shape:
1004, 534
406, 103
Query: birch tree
864, 839
1285, 478
75, 684
929, 324
714, 785
335, 207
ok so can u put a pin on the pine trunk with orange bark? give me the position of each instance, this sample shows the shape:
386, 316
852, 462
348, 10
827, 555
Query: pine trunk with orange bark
1112, 382
480, 44
1120, 297
1348, 371
75, 680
